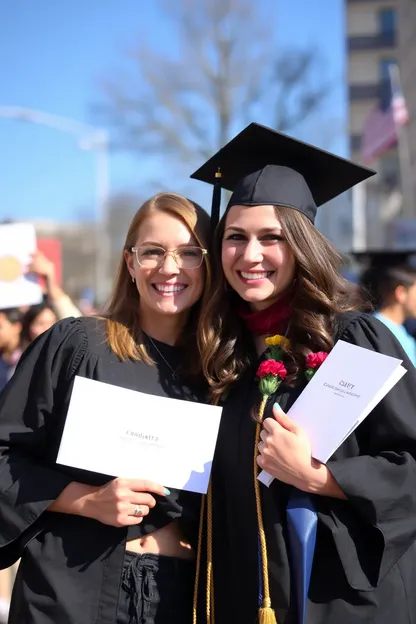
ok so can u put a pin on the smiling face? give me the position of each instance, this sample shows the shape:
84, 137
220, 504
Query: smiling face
256, 259
165, 290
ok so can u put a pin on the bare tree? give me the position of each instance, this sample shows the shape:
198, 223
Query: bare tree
222, 70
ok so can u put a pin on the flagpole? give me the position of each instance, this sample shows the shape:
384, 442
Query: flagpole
405, 167
359, 217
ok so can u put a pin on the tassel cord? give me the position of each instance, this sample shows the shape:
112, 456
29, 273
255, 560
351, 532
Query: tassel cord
266, 613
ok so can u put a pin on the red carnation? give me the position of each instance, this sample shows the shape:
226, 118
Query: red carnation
313, 360
271, 367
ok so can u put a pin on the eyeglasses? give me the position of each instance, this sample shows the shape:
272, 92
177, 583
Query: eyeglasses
151, 257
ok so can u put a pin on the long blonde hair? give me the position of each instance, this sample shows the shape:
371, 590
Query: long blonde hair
124, 334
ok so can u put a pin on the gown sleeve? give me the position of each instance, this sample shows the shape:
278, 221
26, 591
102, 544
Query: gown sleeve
376, 469
29, 405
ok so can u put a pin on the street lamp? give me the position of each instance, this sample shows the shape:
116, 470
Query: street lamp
94, 140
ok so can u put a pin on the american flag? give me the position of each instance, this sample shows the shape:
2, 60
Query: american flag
381, 130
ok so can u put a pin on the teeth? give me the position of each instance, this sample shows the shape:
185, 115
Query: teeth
168, 289
254, 276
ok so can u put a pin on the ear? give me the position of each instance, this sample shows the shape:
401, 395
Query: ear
129, 259
400, 294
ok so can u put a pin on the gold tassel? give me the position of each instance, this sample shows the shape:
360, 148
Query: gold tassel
267, 616
209, 606
266, 613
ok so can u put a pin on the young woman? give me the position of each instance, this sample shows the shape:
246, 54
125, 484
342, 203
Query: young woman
277, 278
36, 320
95, 549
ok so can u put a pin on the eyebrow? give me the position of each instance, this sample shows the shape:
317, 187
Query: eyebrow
265, 230
162, 246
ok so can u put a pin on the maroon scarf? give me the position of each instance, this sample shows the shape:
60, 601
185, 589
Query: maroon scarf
270, 321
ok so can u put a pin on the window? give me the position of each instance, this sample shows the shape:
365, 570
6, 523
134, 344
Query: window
388, 21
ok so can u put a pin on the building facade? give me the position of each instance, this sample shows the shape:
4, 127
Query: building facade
375, 39
407, 61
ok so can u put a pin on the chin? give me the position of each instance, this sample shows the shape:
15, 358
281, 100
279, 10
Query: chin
256, 297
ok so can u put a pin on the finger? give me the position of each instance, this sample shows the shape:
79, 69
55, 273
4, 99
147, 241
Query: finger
264, 435
270, 425
261, 447
142, 498
283, 419
139, 511
142, 485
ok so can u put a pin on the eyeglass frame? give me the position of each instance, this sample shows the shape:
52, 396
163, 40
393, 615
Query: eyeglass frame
172, 253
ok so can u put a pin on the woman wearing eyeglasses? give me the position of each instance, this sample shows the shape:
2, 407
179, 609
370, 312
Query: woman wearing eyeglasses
94, 548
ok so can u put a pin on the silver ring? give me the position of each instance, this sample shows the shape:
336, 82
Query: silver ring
138, 511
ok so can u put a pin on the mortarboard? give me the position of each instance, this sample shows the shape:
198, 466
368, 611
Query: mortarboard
379, 267
262, 166
385, 258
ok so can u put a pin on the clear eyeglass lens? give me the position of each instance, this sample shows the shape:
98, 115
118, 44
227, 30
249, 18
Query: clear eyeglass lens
186, 257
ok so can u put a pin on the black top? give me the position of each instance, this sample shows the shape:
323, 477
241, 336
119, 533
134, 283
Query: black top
365, 557
71, 566
262, 166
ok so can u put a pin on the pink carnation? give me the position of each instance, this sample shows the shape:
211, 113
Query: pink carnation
313, 360
271, 367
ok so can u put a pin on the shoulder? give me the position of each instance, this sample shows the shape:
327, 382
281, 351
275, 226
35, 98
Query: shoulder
367, 331
82, 334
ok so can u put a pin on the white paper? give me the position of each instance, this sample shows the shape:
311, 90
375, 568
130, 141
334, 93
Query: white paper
124, 433
17, 246
341, 394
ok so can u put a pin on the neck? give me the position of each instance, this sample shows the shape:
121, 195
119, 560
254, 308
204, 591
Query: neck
394, 313
260, 344
164, 328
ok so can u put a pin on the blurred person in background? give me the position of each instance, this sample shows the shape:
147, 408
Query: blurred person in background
58, 299
33, 320
94, 548
36, 320
10, 342
390, 282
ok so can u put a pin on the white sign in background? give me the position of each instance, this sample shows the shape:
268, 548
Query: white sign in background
17, 246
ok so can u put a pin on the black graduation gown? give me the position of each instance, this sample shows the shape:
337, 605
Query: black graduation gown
71, 566
365, 559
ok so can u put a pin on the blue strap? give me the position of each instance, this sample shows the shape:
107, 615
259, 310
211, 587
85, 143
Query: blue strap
260, 586
302, 521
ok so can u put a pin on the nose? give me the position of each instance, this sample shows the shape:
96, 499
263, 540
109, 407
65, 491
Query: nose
253, 251
169, 266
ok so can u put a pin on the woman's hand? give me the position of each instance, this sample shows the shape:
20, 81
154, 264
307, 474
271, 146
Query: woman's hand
285, 453
285, 450
114, 503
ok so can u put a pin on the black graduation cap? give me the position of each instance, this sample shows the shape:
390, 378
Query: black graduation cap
262, 166
385, 258
377, 267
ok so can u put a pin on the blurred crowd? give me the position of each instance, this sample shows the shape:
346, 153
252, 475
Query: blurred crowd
20, 326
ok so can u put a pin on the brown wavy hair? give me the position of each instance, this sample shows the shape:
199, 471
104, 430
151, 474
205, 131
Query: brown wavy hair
320, 293
124, 334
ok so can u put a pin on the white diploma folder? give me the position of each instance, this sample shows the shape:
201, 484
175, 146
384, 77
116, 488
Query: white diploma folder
124, 433
345, 389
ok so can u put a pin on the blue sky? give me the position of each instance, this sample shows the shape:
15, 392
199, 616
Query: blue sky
52, 57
